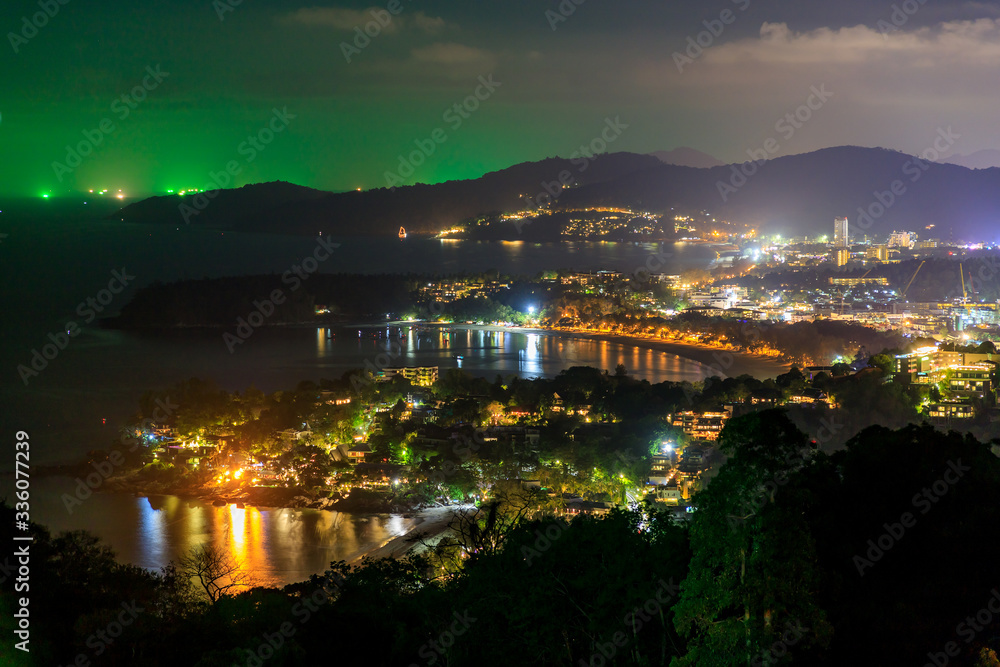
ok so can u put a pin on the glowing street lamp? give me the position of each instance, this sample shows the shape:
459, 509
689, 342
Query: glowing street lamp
668, 448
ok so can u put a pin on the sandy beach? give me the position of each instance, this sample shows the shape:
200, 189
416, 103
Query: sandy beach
431, 522
724, 363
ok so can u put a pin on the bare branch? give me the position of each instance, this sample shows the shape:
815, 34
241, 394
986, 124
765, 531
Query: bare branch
216, 571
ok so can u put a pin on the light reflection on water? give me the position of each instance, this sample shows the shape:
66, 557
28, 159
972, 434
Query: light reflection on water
491, 352
279, 545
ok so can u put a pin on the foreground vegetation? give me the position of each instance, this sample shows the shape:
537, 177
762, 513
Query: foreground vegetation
878, 554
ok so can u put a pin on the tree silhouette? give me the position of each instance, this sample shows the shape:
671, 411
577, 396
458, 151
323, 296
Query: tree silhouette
216, 571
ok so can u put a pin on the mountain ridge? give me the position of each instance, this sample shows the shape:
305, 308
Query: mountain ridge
684, 156
878, 189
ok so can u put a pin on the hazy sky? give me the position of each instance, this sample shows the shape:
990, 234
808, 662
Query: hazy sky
561, 74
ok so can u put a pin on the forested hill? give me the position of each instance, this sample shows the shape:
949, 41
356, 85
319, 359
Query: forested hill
793, 195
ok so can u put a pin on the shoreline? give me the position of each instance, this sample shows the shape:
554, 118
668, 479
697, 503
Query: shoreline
739, 363
735, 364
432, 523
706, 355
260, 497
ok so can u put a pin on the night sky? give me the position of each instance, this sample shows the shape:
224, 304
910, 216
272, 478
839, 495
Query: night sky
222, 79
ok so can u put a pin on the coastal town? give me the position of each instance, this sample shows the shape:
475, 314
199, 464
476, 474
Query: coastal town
842, 276
839, 312
405, 438
565, 333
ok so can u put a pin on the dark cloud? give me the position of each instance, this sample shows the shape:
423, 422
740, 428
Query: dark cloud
896, 78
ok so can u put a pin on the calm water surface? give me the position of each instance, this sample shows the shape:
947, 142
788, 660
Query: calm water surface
57, 253
280, 546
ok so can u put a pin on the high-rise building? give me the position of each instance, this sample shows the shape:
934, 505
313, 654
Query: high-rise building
840, 239
843, 256
879, 253
902, 240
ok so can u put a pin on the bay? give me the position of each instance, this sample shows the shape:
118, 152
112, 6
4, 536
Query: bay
278, 545
56, 255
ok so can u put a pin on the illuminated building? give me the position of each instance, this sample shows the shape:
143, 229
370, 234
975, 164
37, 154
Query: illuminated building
854, 282
704, 426
423, 376
879, 253
971, 380
840, 234
902, 239
948, 410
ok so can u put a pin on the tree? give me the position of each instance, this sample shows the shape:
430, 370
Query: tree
987, 658
986, 347
216, 571
753, 569
481, 532
570, 588
840, 369
883, 362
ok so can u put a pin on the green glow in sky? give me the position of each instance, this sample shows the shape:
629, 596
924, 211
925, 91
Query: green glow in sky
267, 93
